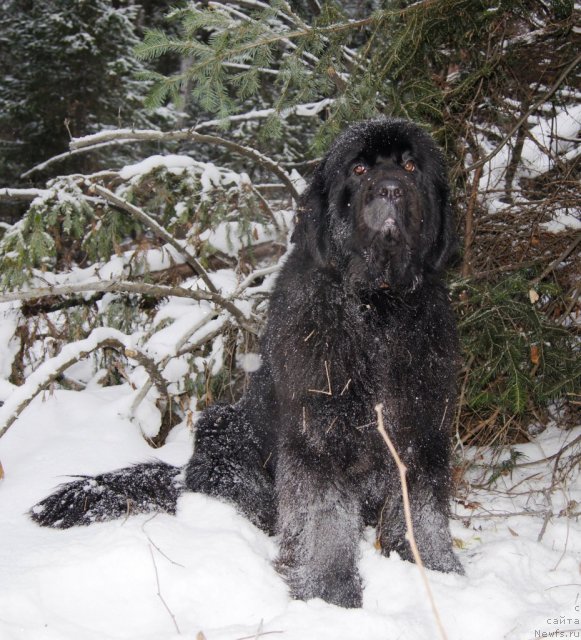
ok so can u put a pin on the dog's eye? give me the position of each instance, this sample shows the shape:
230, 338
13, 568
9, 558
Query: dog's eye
409, 165
359, 169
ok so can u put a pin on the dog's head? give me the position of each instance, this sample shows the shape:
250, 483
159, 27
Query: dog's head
378, 206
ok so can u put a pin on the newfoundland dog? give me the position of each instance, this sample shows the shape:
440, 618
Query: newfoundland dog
358, 317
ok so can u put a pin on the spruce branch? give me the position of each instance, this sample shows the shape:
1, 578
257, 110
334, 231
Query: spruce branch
188, 134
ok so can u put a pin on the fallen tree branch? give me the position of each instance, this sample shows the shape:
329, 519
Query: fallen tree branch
402, 469
119, 286
21, 195
159, 231
123, 286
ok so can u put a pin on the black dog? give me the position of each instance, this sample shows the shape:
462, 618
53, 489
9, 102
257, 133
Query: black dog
358, 316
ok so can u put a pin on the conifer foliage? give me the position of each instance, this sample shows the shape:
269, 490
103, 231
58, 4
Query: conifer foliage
67, 69
175, 255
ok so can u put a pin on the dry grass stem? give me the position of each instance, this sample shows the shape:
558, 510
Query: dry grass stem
402, 469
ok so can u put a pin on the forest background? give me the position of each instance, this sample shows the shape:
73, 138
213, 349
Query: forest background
151, 152
151, 156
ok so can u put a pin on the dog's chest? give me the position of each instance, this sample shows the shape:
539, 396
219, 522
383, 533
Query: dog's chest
350, 350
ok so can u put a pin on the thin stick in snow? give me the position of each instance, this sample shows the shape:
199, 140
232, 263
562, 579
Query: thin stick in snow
159, 591
402, 469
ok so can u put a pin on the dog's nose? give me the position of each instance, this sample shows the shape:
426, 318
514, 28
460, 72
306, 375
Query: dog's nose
390, 189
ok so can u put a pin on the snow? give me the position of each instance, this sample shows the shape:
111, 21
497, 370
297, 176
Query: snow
562, 220
208, 569
229, 238
552, 137
559, 134
8, 326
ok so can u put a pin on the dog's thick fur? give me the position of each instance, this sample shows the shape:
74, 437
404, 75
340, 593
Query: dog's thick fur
358, 316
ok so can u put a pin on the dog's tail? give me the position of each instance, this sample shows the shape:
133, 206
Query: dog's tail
142, 488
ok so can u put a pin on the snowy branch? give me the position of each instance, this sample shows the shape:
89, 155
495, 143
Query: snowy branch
119, 286
50, 370
122, 286
129, 135
182, 349
13, 195
65, 156
159, 231
307, 110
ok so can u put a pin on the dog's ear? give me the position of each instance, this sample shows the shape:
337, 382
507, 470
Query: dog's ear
445, 247
310, 234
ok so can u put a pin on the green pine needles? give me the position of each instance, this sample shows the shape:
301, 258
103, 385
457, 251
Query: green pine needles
235, 54
518, 360
395, 60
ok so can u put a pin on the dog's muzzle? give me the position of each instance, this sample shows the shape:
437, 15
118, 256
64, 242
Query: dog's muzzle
383, 206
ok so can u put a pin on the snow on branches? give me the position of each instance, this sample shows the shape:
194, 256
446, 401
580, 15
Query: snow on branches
92, 260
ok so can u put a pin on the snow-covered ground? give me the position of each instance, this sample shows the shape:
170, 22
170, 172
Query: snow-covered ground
208, 570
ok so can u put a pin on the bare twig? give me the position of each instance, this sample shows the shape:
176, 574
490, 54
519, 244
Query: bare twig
402, 469
469, 226
259, 633
65, 156
258, 273
328, 391
557, 261
460, 403
152, 543
555, 456
526, 115
547, 517
172, 616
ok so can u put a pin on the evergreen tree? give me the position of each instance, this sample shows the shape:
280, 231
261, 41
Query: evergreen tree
68, 69
427, 61
280, 76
